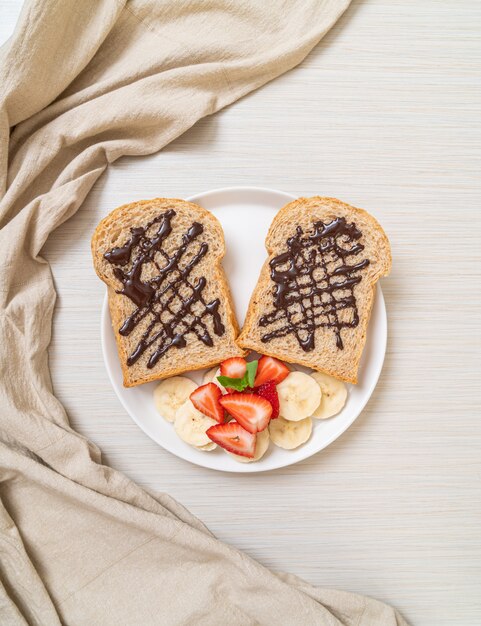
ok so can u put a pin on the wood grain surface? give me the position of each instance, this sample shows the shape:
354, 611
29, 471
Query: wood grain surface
384, 114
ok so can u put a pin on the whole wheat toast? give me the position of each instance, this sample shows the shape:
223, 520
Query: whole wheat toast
315, 292
169, 301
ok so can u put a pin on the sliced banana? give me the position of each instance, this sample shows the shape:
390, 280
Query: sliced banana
299, 396
216, 382
290, 435
208, 447
171, 393
262, 443
191, 425
334, 395
209, 376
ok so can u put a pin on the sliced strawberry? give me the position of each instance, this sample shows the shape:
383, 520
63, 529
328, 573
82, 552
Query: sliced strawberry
269, 392
206, 400
250, 410
270, 368
235, 367
234, 438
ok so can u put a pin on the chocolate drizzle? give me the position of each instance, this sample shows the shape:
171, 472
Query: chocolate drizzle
169, 305
314, 283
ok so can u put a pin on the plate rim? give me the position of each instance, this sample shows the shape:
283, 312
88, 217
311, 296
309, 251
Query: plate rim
248, 467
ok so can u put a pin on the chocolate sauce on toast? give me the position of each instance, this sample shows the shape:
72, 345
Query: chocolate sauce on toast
314, 283
171, 305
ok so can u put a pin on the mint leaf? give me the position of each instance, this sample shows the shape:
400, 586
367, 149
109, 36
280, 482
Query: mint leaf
251, 373
239, 384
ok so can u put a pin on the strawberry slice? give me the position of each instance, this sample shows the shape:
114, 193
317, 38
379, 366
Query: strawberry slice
269, 392
234, 438
206, 400
250, 410
269, 369
235, 367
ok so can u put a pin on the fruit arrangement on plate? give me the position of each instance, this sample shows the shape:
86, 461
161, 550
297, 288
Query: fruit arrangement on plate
243, 405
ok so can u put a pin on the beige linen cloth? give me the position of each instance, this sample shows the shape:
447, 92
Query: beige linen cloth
83, 82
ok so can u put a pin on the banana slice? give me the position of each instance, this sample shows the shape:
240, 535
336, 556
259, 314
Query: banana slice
191, 425
208, 447
290, 435
334, 395
171, 393
209, 376
299, 396
262, 443
216, 382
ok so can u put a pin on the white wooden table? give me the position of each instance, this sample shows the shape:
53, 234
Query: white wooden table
384, 114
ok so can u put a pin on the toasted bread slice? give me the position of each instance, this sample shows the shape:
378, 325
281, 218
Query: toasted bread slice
314, 296
169, 301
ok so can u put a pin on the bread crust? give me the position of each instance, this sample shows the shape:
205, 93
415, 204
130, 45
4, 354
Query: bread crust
317, 205
128, 215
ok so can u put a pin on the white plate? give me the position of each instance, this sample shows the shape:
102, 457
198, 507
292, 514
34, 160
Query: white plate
245, 214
